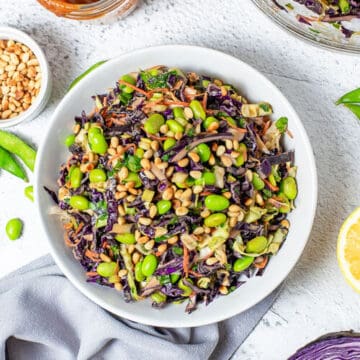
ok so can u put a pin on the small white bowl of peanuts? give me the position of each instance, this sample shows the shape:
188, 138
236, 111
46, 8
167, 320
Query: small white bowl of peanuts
25, 81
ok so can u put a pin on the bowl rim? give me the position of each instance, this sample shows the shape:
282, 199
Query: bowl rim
9, 33
323, 43
162, 321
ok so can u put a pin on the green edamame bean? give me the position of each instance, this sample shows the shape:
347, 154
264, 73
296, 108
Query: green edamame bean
198, 110
149, 265
174, 126
14, 229
208, 178
256, 245
179, 113
169, 143
97, 140
29, 192
258, 182
135, 178
126, 238
75, 177
153, 123
129, 79
158, 297
204, 152
69, 140
208, 121
186, 289
97, 175
240, 160
106, 269
216, 202
230, 120
79, 202
139, 276
215, 220
139, 152
163, 206
242, 263
289, 188
285, 207
174, 278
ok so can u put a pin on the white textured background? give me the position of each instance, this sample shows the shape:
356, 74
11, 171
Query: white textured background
315, 299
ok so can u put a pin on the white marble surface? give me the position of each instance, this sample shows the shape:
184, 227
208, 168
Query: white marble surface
315, 299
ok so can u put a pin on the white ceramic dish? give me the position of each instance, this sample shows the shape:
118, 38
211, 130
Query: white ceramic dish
46, 83
256, 87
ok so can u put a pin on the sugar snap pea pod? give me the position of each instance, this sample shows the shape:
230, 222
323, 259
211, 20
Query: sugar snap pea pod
350, 98
9, 164
15, 145
355, 109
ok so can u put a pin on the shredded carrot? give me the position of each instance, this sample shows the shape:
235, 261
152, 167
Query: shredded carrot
194, 273
205, 193
266, 127
81, 225
69, 243
270, 186
68, 226
158, 138
186, 261
91, 273
180, 103
262, 264
141, 91
92, 255
204, 101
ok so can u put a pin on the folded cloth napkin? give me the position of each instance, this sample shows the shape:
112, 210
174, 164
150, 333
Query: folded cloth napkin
43, 316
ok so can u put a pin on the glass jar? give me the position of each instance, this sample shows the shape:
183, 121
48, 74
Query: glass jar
90, 11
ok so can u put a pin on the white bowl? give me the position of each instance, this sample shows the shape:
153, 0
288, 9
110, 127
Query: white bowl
253, 85
8, 33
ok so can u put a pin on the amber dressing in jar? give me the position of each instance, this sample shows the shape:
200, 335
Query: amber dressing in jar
89, 9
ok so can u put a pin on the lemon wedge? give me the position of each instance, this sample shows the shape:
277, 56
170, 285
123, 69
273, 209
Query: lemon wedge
348, 249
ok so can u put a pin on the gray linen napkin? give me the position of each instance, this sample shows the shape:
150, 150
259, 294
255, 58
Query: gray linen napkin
43, 316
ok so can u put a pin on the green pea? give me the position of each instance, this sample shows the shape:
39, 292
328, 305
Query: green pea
29, 192
204, 152
139, 152
75, 177
14, 229
163, 206
139, 276
256, 245
169, 143
69, 140
153, 123
187, 291
126, 238
258, 182
285, 207
149, 265
97, 175
129, 79
208, 121
174, 126
79, 202
174, 278
179, 113
242, 263
97, 141
289, 188
216, 202
106, 269
215, 220
135, 178
197, 110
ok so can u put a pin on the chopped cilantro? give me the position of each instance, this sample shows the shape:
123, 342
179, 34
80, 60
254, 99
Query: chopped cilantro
177, 250
264, 107
282, 124
132, 162
156, 81
165, 157
164, 279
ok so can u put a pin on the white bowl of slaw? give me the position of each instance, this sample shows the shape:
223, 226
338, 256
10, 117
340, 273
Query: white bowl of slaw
253, 85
